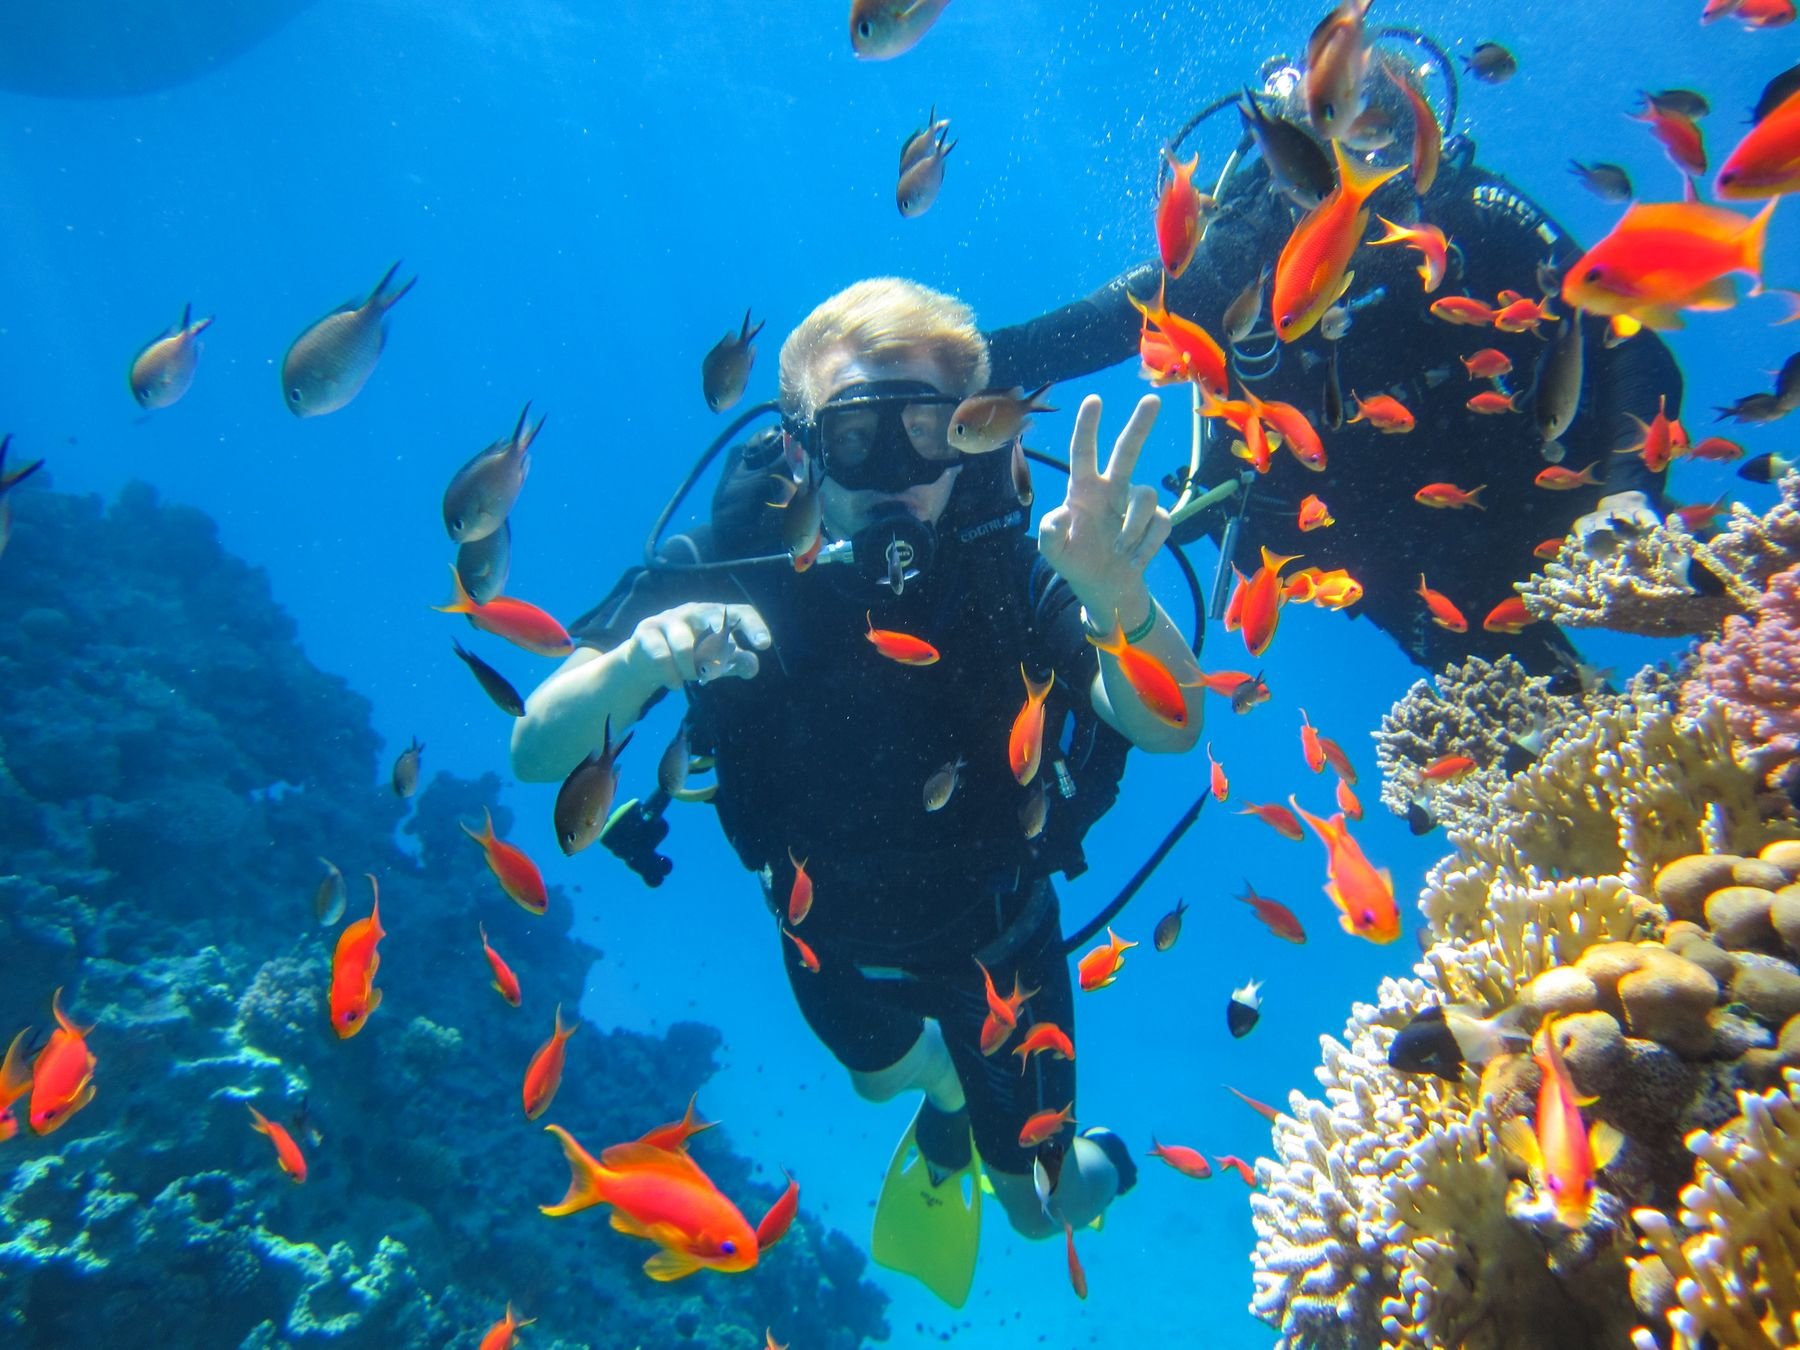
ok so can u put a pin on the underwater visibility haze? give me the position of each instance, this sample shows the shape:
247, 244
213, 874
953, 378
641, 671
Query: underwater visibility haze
509, 837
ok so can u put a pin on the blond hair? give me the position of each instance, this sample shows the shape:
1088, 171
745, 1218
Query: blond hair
881, 317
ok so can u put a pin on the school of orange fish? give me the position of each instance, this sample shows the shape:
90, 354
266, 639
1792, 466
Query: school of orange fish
1661, 259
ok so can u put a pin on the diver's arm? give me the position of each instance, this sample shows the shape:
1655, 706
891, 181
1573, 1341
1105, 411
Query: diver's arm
567, 715
1112, 695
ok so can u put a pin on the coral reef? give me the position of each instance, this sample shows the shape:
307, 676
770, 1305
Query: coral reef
170, 768
1753, 671
1636, 882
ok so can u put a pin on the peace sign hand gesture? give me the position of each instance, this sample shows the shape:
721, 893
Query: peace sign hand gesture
1104, 534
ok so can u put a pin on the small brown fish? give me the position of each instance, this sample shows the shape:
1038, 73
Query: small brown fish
481, 493
164, 369
1021, 474
802, 521
921, 180
1168, 928
586, 796
1337, 59
883, 29
726, 370
1491, 63
406, 769
987, 421
1608, 182
1242, 313
330, 896
1558, 394
672, 768
1034, 811
493, 683
485, 564
331, 361
941, 784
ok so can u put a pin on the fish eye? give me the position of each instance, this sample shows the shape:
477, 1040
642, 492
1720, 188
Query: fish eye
728, 1247
294, 396
1554, 1183
865, 29
1592, 274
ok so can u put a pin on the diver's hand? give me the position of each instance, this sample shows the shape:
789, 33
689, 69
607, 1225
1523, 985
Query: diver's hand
700, 642
1104, 534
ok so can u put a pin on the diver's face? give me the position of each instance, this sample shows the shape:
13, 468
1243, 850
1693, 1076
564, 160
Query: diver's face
848, 510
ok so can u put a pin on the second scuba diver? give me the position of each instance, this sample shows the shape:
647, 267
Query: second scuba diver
898, 786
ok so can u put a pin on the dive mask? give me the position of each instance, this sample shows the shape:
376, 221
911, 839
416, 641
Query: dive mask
883, 436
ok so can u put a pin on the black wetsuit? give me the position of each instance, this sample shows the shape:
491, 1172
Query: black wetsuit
826, 752
1382, 536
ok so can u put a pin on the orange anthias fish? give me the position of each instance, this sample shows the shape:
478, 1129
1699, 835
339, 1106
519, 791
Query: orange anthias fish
15, 1082
512, 868
1679, 135
676, 1133
1549, 548
1348, 802
1665, 257
773, 1226
1178, 216
1312, 271
808, 957
1148, 677
902, 647
1002, 1014
1448, 496
1558, 479
1046, 1125
1277, 817
1491, 403
1297, 433
1657, 442
800, 894
1260, 612
1432, 247
1701, 515
663, 1197
1562, 1153
1447, 768
1339, 761
1025, 746
1363, 893
523, 625
502, 1335
1443, 613
1521, 314
1489, 363
1276, 917
288, 1156
1196, 353
62, 1078
1238, 1165
1044, 1036
1385, 413
1262, 1109
1314, 514
543, 1076
1510, 615
1241, 415
1220, 784
1766, 162
1428, 140
505, 983
1463, 309
1310, 748
1225, 682
1101, 966
1077, 1276
1336, 589
1716, 449
354, 996
1187, 1161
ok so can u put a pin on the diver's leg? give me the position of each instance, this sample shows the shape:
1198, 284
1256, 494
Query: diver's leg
927, 1066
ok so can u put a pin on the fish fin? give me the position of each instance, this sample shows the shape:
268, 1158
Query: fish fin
669, 1265
85, 1096
629, 1226
642, 1157
374, 994
587, 1177
1518, 1139
1605, 1141
1358, 181
381, 298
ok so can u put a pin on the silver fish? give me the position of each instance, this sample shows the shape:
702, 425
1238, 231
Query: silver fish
485, 564
1559, 377
330, 896
164, 369
1337, 61
802, 520
672, 768
1034, 811
716, 652
942, 784
1335, 324
586, 796
923, 141
1608, 182
1021, 474
921, 180
1041, 1185
330, 362
1334, 393
482, 493
1242, 313
883, 29
726, 368
406, 769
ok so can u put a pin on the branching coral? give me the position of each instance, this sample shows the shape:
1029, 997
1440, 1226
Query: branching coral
1753, 672
1752, 548
1639, 584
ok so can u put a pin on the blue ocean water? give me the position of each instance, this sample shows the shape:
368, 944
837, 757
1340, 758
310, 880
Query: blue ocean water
590, 196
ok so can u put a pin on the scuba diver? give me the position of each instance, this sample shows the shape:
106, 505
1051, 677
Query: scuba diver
897, 788
1500, 239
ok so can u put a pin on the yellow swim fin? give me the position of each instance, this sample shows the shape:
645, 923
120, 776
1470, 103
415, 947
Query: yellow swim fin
931, 1232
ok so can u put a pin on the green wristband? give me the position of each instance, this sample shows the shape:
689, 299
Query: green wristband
1132, 638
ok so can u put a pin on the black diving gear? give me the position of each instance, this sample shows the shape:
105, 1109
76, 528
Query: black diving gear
882, 436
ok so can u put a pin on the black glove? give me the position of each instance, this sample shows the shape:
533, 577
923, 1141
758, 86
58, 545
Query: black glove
634, 830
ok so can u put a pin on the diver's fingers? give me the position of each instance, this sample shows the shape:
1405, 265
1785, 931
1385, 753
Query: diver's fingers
1084, 452
746, 623
652, 641
1140, 513
743, 664
680, 637
1156, 534
1131, 440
